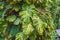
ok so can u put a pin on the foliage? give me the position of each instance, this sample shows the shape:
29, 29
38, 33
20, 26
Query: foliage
28, 19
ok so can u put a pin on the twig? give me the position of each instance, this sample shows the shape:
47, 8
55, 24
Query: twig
11, 11
40, 11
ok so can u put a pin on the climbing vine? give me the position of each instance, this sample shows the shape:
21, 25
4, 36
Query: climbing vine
27, 19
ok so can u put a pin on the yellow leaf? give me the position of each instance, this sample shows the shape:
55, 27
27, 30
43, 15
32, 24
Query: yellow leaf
12, 2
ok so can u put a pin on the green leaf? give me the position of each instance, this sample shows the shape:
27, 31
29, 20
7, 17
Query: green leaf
21, 36
3, 25
25, 17
37, 22
2, 13
54, 35
16, 8
24, 7
11, 18
1, 5
27, 29
2, 38
17, 21
14, 30
33, 35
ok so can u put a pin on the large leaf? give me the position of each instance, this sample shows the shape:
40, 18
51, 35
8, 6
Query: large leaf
37, 22
25, 17
14, 30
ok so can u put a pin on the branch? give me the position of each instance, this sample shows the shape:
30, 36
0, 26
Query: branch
39, 11
11, 11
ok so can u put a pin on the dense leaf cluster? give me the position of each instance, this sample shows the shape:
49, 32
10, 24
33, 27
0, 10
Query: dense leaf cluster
28, 19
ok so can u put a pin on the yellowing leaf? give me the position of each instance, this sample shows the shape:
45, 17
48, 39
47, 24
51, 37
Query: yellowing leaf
12, 2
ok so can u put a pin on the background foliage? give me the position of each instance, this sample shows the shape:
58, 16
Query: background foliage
29, 19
